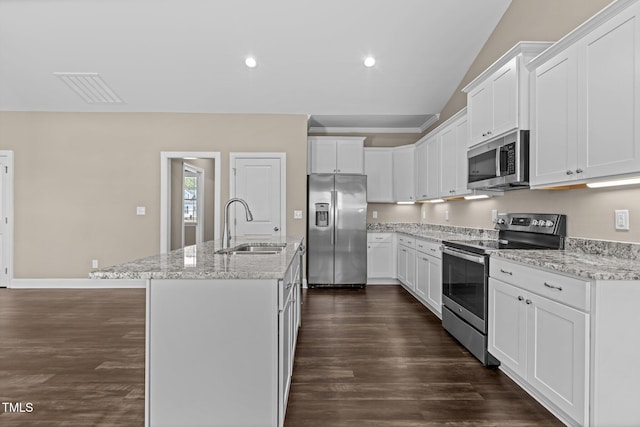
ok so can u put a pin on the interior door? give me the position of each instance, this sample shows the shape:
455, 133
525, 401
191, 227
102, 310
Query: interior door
5, 241
258, 180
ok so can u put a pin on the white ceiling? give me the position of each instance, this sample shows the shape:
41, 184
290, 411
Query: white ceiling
188, 55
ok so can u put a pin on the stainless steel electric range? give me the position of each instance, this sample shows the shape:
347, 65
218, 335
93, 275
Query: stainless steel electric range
465, 273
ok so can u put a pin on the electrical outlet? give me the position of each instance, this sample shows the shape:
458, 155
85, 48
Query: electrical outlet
94, 263
297, 214
374, 214
622, 219
446, 215
494, 215
141, 210
424, 215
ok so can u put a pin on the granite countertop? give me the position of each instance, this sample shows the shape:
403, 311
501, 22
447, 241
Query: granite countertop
576, 263
201, 262
586, 258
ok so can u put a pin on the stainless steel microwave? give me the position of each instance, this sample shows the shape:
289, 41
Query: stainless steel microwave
501, 164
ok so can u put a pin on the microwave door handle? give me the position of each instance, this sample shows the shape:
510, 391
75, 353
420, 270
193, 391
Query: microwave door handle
498, 154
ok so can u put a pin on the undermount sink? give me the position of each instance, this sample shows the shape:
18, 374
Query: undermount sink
247, 249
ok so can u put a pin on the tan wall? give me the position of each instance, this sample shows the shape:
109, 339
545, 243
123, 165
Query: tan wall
391, 212
590, 212
524, 20
79, 177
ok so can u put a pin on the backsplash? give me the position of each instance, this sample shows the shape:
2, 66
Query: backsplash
608, 248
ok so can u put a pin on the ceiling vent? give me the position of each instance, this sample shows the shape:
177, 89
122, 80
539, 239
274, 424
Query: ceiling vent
90, 87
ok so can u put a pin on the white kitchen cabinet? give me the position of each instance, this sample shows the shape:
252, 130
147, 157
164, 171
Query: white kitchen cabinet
403, 178
378, 166
586, 88
407, 262
537, 334
381, 256
554, 139
429, 275
421, 170
498, 99
434, 167
453, 152
336, 154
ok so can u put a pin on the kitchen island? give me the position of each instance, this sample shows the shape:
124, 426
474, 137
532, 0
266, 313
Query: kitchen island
220, 332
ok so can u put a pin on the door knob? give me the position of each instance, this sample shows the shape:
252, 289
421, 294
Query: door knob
276, 228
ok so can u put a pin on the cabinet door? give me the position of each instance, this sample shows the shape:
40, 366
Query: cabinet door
379, 260
323, 156
504, 85
461, 162
480, 112
434, 292
411, 269
507, 326
557, 356
433, 168
378, 166
402, 264
448, 154
609, 118
403, 179
421, 171
349, 156
422, 276
554, 128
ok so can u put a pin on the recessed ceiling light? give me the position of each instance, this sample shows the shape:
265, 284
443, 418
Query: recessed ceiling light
369, 61
251, 62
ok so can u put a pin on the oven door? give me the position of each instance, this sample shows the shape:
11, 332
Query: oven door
464, 286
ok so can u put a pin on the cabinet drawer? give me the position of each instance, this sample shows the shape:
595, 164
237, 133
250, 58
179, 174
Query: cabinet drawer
379, 237
407, 241
429, 248
563, 289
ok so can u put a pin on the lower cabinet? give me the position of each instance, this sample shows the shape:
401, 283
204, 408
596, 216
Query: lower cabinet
407, 262
429, 275
543, 342
568, 341
381, 256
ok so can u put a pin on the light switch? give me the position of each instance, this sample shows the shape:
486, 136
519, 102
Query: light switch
622, 219
374, 214
141, 210
297, 214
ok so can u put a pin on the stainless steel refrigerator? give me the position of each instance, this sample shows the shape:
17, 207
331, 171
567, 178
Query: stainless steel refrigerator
337, 230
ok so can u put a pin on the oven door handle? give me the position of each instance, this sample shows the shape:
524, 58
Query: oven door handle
478, 259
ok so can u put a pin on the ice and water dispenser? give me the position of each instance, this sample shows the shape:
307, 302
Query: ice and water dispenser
322, 214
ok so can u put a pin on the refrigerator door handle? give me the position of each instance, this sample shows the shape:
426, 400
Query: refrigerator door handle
334, 217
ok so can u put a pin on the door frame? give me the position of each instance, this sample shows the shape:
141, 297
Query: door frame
8, 246
199, 173
165, 191
283, 181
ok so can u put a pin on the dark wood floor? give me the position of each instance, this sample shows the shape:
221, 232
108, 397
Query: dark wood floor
372, 357
76, 355
376, 357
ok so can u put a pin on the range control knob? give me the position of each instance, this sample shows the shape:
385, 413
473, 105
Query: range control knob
502, 221
541, 223
534, 222
549, 223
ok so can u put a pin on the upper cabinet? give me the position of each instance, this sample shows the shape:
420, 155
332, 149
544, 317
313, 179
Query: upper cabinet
498, 99
331, 154
441, 160
403, 179
378, 166
453, 154
585, 102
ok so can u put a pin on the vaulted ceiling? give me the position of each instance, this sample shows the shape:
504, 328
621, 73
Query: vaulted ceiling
189, 56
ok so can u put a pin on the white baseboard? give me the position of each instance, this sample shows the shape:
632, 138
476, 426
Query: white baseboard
371, 281
77, 283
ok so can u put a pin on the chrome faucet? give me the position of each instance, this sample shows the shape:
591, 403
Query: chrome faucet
226, 239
